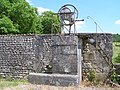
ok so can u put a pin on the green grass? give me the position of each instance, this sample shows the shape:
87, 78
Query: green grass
116, 49
10, 83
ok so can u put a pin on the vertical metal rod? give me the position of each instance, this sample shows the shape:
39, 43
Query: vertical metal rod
89, 17
74, 25
70, 29
96, 40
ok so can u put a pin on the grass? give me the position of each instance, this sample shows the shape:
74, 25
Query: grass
11, 83
116, 49
48, 87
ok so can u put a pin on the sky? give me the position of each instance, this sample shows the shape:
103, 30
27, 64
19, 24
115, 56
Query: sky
106, 13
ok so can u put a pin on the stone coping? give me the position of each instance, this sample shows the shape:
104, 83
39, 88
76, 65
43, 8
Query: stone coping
54, 74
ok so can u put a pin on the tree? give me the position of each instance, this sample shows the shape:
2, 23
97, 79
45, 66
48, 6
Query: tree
7, 26
22, 17
18, 17
50, 22
38, 28
116, 37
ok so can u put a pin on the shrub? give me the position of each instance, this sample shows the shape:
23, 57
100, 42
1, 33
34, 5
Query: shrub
117, 59
92, 77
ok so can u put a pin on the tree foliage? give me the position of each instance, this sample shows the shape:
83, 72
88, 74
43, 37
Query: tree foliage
117, 59
116, 37
7, 26
50, 22
18, 17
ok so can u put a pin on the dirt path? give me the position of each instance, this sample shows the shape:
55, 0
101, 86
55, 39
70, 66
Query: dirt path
45, 87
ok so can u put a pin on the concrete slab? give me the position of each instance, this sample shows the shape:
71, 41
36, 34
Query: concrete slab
53, 79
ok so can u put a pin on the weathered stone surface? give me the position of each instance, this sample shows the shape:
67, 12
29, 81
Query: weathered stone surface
22, 54
65, 64
101, 76
16, 54
117, 66
60, 51
97, 56
64, 40
53, 79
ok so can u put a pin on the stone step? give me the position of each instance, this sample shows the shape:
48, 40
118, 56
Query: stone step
53, 79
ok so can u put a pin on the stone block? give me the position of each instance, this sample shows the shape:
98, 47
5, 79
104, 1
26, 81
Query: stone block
117, 66
53, 79
64, 39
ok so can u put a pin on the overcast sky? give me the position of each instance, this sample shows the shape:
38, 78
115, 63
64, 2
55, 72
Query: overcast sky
106, 13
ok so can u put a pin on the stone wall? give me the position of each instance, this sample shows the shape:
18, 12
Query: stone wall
65, 54
22, 54
97, 54
16, 55
59, 51
117, 70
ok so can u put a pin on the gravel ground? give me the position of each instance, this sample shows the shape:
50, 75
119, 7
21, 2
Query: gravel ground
46, 87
